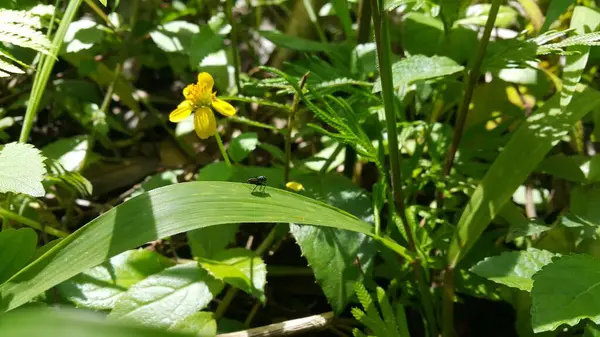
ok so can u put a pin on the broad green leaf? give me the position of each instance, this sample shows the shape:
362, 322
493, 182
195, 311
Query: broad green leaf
21, 169
240, 268
201, 324
556, 8
162, 179
69, 152
208, 241
565, 167
583, 203
83, 35
418, 68
53, 322
296, 43
514, 269
242, 145
164, 298
521, 155
17, 247
331, 253
100, 287
167, 211
174, 36
203, 44
565, 292
451, 10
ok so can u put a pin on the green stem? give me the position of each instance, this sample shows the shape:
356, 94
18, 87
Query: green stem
288, 136
43, 74
382, 38
32, 223
310, 11
222, 149
331, 158
448, 310
234, 45
231, 292
470, 88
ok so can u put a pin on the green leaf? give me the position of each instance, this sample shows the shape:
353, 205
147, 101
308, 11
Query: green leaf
583, 203
69, 152
418, 68
565, 292
21, 169
331, 253
83, 35
556, 8
104, 2
167, 211
206, 242
583, 19
54, 322
240, 268
17, 247
100, 287
203, 44
514, 269
343, 13
296, 43
162, 179
164, 298
201, 324
242, 145
175, 36
565, 167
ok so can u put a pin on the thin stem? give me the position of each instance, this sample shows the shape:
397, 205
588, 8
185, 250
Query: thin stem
231, 292
383, 41
310, 11
222, 149
471, 82
31, 223
448, 304
42, 76
99, 12
331, 158
288, 136
234, 45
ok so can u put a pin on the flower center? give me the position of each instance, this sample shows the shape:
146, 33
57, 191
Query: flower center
199, 94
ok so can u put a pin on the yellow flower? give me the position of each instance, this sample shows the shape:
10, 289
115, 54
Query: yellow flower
294, 186
200, 100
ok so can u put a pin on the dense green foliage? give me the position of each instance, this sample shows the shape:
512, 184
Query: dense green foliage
342, 168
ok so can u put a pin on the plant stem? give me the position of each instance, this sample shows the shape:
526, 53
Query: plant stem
181, 145
382, 39
32, 223
332, 157
288, 136
463, 108
41, 77
222, 149
231, 292
234, 45
448, 301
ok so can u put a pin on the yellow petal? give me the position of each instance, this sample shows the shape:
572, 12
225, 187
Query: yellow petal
206, 81
205, 123
223, 107
184, 109
294, 186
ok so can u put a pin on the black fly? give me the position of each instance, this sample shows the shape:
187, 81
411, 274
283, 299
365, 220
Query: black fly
258, 181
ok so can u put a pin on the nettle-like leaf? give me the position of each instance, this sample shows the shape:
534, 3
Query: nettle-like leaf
418, 68
201, 324
20, 28
100, 287
167, 297
22, 169
514, 269
242, 145
239, 267
565, 292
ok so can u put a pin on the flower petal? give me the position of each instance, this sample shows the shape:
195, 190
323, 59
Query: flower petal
205, 123
206, 81
223, 107
184, 109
